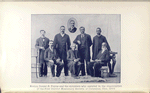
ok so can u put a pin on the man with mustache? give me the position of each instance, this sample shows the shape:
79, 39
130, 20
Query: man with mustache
42, 44
62, 44
72, 29
84, 43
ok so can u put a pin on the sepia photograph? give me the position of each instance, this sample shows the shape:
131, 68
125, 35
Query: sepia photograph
62, 52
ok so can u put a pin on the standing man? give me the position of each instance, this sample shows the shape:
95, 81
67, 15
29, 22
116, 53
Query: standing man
62, 44
42, 43
97, 43
84, 43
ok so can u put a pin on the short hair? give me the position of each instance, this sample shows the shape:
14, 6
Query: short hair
42, 30
72, 21
82, 27
104, 44
62, 26
99, 28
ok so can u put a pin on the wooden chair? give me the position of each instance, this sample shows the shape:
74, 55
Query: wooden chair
105, 68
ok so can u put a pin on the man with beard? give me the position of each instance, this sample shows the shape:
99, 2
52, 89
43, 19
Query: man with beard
62, 44
72, 29
101, 59
84, 43
42, 43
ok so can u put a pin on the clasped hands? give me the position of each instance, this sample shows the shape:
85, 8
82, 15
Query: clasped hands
42, 48
98, 61
76, 60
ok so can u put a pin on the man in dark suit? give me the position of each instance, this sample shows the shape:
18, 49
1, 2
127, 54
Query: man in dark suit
52, 59
62, 44
102, 59
72, 29
74, 63
97, 43
84, 43
42, 43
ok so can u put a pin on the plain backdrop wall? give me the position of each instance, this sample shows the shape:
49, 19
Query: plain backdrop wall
110, 25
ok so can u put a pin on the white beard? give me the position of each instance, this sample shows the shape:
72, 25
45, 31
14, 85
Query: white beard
103, 49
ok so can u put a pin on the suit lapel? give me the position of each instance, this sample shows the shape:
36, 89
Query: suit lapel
101, 54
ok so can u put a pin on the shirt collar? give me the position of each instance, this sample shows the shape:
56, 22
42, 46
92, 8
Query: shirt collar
62, 34
98, 35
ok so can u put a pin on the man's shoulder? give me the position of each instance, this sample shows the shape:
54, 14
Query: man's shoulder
57, 34
67, 35
103, 36
75, 28
38, 39
95, 37
69, 29
106, 51
87, 35
47, 38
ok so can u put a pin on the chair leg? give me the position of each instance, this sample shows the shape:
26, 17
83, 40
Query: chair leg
107, 72
102, 73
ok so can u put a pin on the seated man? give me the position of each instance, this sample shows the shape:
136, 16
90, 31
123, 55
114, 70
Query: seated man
101, 60
73, 61
51, 58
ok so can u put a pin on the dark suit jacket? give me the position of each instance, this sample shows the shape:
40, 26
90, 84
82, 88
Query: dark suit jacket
104, 57
88, 43
72, 30
62, 44
71, 55
50, 55
41, 43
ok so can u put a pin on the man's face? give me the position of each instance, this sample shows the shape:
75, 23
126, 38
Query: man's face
98, 31
103, 46
62, 30
72, 23
43, 33
82, 30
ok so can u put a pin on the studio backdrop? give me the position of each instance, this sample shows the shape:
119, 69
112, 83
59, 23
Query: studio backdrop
110, 25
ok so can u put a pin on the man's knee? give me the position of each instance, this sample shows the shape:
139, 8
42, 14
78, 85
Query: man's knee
79, 63
60, 64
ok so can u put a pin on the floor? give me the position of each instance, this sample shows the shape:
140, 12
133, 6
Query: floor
69, 79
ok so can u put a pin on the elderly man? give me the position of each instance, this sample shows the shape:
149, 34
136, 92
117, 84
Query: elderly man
51, 58
42, 43
72, 29
73, 61
62, 44
84, 43
102, 59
